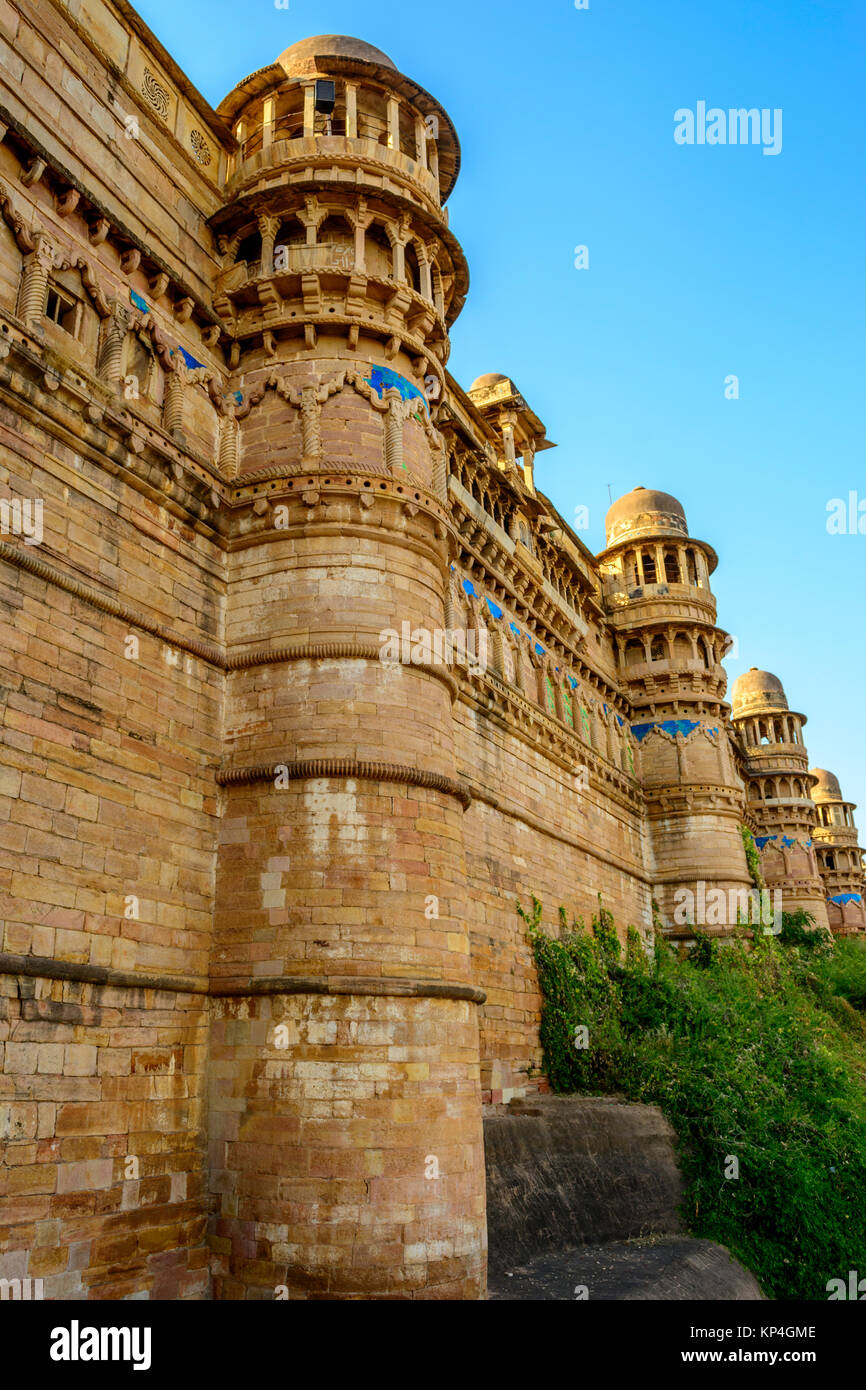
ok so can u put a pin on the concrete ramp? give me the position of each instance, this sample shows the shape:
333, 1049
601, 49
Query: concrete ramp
583, 1193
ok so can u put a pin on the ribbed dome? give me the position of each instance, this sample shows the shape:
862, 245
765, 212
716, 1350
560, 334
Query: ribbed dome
645, 512
299, 57
481, 383
827, 787
756, 691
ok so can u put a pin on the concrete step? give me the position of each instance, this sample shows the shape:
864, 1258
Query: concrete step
584, 1192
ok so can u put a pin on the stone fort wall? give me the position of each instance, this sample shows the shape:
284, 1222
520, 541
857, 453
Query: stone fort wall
261, 963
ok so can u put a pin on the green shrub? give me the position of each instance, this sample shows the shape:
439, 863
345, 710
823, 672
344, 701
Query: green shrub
755, 1053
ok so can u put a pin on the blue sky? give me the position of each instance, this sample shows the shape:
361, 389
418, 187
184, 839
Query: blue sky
704, 261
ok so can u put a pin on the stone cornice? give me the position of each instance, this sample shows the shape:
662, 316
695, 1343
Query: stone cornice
310, 769
119, 232
46, 968
691, 798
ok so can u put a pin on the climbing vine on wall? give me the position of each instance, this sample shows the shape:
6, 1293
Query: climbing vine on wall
753, 858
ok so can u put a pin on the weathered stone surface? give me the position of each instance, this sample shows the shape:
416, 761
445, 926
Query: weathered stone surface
583, 1197
244, 787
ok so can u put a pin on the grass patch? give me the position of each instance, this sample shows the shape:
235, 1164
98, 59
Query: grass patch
754, 1054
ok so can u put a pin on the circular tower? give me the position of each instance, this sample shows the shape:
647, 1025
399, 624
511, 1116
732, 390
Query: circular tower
663, 614
345, 1114
840, 858
335, 241
779, 790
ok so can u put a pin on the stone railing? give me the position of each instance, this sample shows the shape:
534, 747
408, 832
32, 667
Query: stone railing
339, 149
293, 260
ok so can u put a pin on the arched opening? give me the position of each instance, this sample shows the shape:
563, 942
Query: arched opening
250, 251
672, 567
682, 648
407, 132
634, 652
372, 116
831, 860
291, 233
413, 269
377, 252
649, 568
658, 649
691, 569
289, 244
335, 231
290, 114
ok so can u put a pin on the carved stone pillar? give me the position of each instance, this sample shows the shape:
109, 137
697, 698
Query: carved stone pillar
361, 220
497, 652
34, 281
398, 264
351, 111
421, 141
426, 276
172, 408
228, 447
269, 225
115, 330
311, 439
433, 155
309, 109
507, 422
310, 219
440, 468
394, 431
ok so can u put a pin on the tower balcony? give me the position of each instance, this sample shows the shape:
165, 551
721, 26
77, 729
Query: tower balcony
777, 759
322, 286
629, 604
367, 165
834, 836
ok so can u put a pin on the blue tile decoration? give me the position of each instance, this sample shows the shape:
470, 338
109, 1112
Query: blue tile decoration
670, 726
383, 379
191, 362
683, 726
761, 840
846, 898
787, 841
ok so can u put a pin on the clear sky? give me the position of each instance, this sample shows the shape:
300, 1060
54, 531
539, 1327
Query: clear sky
705, 261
